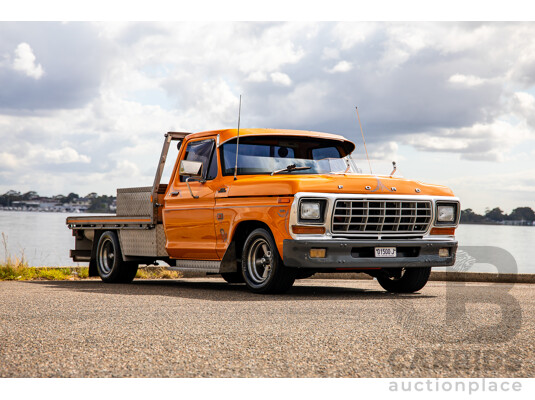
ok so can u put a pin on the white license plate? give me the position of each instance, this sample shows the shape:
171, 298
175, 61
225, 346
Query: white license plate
385, 252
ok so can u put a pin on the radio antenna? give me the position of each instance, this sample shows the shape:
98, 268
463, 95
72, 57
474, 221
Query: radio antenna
237, 142
364, 141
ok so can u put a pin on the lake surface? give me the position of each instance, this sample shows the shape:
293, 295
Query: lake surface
45, 240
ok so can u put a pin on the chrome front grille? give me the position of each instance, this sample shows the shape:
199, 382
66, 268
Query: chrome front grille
367, 217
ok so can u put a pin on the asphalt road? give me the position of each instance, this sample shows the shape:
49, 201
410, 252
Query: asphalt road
322, 328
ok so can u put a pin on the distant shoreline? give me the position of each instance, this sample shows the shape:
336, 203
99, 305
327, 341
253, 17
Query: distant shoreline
493, 223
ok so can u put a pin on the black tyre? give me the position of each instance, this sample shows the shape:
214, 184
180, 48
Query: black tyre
304, 274
110, 265
262, 267
404, 280
233, 277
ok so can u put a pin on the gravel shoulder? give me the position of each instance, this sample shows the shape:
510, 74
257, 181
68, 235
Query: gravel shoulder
322, 328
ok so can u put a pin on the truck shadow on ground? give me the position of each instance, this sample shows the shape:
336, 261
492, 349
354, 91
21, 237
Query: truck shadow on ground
216, 290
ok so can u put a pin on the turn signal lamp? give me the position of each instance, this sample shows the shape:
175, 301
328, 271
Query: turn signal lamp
318, 253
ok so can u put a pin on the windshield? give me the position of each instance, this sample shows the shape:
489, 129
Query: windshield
285, 155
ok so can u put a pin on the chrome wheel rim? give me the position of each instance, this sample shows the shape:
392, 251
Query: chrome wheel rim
259, 261
106, 257
398, 277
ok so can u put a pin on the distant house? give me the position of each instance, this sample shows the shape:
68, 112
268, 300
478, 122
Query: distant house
520, 222
25, 205
50, 206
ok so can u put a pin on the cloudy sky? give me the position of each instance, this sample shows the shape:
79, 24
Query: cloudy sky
84, 106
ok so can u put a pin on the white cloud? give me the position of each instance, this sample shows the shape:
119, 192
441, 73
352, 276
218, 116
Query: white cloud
330, 53
480, 142
257, 76
462, 37
468, 80
342, 66
350, 34
403, 41
384, 151
66, 155
8, 161
525, 100
281, 78
523, 105
25, 62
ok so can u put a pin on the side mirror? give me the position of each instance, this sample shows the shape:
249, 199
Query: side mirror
190, 168
193, 170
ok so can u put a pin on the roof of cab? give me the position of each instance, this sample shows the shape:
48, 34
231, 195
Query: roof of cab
228, 134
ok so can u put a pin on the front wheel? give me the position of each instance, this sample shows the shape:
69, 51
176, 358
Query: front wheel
232, 277
262, 267
110, 265
404, 280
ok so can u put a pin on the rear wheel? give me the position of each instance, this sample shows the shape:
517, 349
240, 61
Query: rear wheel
110, 265
404, 280
262, 267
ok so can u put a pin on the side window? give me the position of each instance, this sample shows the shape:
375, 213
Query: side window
212, 169
202, 151
325, 152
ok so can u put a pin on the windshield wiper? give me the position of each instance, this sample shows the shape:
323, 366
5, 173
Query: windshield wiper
290, 168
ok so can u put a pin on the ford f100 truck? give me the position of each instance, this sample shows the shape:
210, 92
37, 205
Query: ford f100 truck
266, 207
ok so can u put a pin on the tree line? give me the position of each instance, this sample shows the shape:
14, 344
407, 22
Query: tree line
496, 215
96, 203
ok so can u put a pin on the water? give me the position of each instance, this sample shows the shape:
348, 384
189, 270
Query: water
517, 240
45, 240
41, 237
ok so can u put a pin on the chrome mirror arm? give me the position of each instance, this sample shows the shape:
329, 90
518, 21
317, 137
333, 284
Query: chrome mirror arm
189, 187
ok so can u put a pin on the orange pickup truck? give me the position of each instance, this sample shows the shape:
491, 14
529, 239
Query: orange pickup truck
265, 207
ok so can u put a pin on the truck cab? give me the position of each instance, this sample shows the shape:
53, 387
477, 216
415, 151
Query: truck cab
265, 207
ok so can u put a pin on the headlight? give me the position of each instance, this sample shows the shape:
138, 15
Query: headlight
310, 210
446, 213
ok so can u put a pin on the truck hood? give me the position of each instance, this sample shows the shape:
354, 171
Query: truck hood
283, 185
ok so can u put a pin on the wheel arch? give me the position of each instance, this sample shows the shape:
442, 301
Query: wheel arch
243, 229
239, 235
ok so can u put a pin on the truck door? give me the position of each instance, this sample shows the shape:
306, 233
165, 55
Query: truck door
189, 219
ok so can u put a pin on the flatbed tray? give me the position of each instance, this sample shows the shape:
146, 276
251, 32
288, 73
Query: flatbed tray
96, 221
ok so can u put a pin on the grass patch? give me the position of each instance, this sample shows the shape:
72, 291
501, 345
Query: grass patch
17, 269
157, 273
20, 271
